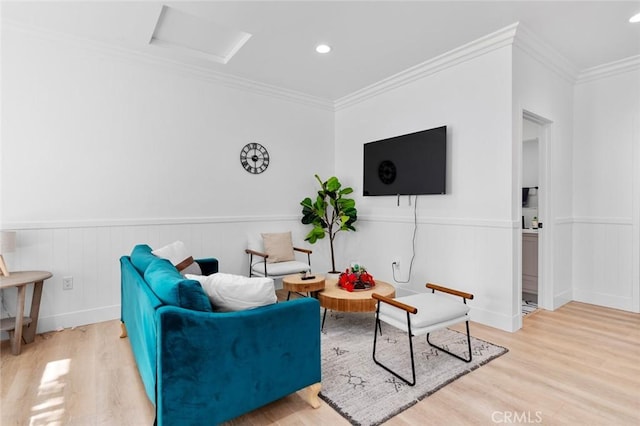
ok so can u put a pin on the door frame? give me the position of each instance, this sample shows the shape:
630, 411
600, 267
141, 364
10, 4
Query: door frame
545, 208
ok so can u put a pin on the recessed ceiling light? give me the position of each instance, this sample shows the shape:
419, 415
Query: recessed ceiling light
635, 18
323, 48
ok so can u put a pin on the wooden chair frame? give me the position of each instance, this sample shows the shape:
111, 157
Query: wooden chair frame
265, 256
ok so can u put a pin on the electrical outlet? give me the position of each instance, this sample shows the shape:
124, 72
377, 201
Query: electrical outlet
67, 283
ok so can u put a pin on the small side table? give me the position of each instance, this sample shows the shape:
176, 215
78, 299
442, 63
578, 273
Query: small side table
295, 283
23, 327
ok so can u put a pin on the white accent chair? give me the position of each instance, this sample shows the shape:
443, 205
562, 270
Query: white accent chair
260, 264
420, 314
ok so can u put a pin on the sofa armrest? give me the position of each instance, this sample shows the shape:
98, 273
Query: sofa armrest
208, 265
222, 365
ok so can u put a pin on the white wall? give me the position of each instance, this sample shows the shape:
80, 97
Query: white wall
606, 187
530, 163
101, 151
90, 136
463, 238
540, 89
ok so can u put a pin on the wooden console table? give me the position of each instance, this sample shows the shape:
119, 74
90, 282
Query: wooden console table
23, 327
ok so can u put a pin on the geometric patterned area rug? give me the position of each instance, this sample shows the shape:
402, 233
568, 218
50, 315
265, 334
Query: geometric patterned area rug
364, 393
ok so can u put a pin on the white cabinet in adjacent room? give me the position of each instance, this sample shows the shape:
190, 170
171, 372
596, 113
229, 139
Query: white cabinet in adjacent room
530, 262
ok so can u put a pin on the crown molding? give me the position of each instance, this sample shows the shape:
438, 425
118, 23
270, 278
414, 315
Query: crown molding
202, 73
478, 47
515, 34
608, 70
538, 49
244, 84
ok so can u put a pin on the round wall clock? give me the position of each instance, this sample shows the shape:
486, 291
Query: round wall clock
254, 158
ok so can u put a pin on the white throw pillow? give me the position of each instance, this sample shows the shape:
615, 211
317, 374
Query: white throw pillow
179, 257
228, 292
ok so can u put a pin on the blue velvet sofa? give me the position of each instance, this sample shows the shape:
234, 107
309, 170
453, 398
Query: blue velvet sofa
203, 367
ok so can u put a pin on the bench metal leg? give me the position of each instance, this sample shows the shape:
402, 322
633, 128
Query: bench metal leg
451, 353
413, 366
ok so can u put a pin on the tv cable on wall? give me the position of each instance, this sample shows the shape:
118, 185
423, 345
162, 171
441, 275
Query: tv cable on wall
413, 242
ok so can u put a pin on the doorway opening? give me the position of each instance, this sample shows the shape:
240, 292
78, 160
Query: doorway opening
534, 180
530, 214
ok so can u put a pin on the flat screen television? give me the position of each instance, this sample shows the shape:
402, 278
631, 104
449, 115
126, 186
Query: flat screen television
411, 164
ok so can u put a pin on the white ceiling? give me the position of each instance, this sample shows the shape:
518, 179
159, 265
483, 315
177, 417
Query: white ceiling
371, 40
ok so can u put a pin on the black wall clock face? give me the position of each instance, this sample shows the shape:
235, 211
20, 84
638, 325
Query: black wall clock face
254, 158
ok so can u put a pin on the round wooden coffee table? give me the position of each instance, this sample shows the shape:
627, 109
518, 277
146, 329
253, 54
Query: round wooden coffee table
295, 283
337, 299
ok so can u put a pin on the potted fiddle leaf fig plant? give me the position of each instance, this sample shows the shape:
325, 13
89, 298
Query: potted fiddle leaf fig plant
331, 212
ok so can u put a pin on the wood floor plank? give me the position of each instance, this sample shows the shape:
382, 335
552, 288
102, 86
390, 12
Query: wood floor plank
577, 365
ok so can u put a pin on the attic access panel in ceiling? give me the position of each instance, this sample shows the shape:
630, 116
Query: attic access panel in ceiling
187, 33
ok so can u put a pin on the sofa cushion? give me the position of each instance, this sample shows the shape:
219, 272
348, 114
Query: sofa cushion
180, 257
141, 257
228, 292
279, 247
174, 289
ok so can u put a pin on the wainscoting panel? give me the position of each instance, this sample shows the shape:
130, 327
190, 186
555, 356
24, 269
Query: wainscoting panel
90, 254
602, 262
472, 254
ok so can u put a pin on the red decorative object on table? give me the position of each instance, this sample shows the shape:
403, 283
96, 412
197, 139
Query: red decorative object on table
356, 278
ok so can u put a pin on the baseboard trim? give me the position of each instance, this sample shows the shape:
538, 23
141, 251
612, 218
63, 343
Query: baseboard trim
74, 319
78, 318
562, 298
602, 299
496, 320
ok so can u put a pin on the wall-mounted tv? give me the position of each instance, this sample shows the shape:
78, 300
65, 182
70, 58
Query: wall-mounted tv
411, 164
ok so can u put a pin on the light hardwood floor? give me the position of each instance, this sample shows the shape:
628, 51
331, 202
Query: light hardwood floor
579, 365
